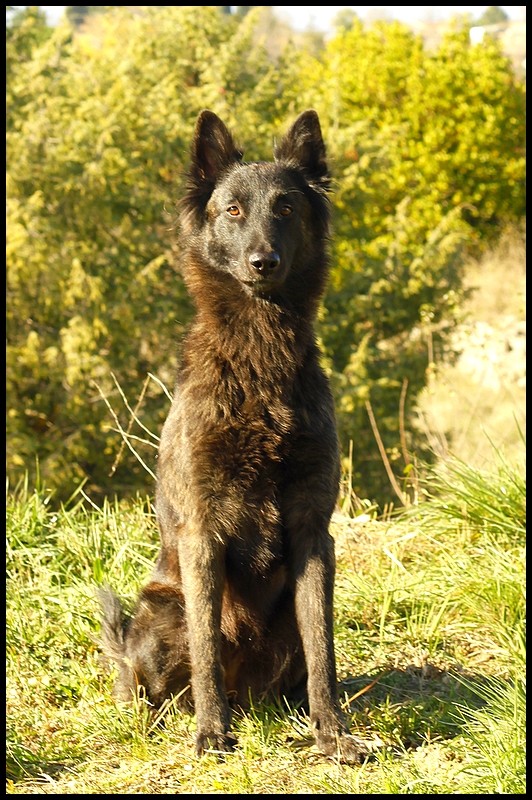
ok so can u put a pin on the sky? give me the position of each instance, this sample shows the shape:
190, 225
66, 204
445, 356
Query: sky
320, 17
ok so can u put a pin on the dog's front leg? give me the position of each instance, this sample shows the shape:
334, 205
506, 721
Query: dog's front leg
201, 560
314, 587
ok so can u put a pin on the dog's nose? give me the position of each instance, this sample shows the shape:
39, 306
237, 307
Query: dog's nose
265, 263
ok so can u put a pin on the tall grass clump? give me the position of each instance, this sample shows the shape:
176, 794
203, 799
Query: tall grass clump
488, 509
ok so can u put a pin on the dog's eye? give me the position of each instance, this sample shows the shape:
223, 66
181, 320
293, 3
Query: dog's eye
285, 210
233, 211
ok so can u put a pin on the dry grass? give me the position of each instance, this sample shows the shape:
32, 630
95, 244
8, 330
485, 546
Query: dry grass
480, 401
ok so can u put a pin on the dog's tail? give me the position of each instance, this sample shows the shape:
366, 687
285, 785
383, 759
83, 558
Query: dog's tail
114, 624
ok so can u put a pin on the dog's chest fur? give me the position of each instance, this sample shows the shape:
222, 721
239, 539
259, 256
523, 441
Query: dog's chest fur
229, 434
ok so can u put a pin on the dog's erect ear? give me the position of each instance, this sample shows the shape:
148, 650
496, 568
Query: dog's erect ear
303, 147
213, 149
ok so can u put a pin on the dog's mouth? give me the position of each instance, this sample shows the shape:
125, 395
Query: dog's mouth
263, 287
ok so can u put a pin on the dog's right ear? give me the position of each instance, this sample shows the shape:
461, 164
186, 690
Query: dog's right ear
213, 152
213, 148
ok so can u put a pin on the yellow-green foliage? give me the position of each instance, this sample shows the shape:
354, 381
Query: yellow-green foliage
429, 156
427, 150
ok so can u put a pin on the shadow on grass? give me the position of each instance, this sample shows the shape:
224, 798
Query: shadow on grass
411, 705
23, 764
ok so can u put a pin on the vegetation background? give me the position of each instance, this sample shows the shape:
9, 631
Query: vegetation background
427, 150
423, 335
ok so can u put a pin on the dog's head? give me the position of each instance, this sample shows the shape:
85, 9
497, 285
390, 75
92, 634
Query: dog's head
261, 224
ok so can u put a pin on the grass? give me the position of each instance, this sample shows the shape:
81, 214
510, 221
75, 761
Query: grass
430, 626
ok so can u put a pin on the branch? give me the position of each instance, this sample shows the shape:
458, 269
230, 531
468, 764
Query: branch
391, 476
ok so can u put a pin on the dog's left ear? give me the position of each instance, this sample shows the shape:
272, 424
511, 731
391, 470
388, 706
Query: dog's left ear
303, 147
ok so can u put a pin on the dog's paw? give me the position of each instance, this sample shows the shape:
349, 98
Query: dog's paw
344, 747
209, 742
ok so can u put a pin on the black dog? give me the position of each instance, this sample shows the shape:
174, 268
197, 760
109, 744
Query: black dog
241, 600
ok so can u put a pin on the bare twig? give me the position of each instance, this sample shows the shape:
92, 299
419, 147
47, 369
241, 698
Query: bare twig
350, 502
91, 502
161, 384
385, 460
364, 689
402, 400
430, 351
124, 435
130, 424
137, 438
137, 406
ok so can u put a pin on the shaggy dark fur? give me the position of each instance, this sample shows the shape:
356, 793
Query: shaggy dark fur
240, 604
